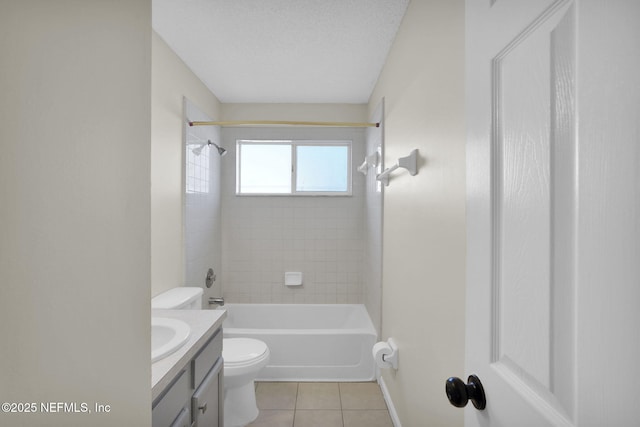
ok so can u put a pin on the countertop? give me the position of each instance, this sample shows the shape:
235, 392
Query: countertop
204, 323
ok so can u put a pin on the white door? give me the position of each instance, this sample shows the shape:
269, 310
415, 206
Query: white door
553, 175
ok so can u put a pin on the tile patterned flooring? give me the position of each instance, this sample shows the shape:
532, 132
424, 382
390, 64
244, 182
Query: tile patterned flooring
285, 404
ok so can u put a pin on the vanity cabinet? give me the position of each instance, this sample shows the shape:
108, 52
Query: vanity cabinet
195, 397
183, 420
206, 402
171, 404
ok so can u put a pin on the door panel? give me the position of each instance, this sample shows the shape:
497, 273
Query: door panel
553, 212
526, 218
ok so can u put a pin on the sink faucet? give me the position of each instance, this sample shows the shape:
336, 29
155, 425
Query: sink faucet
216, 301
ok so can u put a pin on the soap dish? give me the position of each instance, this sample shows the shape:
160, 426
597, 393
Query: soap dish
293, 278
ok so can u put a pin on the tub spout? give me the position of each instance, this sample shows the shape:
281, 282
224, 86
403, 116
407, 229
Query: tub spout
216, 301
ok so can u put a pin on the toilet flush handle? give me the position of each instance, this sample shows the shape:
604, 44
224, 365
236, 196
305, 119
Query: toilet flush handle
203, 408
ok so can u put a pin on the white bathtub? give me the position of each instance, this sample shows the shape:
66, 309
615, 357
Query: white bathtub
308, 342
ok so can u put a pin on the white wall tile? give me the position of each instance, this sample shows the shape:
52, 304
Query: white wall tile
321, 236
372, 254
202, 211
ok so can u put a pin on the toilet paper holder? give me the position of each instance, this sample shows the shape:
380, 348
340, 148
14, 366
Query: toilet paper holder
393, 357
389, 354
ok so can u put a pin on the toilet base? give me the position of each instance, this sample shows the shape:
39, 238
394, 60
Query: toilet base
240, 406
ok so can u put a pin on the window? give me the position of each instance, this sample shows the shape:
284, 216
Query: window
293, 168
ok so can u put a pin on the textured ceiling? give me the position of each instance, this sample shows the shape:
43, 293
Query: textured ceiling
280, 51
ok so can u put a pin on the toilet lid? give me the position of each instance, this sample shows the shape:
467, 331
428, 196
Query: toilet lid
238, 350
176, 298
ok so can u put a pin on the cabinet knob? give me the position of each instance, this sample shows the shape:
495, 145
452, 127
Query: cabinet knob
203, 408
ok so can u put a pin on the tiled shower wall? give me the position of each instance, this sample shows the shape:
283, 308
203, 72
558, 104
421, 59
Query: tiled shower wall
372, 262
202, 214
265, 236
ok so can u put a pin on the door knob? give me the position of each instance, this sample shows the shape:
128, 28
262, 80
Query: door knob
460, 393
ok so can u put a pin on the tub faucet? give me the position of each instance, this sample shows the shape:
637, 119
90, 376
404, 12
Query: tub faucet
216, 301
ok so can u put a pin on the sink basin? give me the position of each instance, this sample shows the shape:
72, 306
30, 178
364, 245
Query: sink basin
167, 336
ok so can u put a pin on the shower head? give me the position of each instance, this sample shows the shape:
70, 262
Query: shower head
221, 151
198, 150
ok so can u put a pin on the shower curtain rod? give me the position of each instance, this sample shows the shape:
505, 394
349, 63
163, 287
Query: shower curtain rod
287, 123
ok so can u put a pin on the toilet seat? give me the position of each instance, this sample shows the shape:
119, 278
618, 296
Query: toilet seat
239, 352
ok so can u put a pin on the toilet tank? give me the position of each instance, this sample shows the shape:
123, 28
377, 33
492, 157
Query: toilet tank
183, 298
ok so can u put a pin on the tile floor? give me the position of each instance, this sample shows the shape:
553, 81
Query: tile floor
285, 404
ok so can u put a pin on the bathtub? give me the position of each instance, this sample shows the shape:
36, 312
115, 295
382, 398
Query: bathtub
308, 342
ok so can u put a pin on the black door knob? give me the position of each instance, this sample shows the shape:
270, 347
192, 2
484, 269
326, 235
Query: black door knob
460, 393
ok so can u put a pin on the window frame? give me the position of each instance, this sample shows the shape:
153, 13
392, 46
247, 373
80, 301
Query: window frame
294, 143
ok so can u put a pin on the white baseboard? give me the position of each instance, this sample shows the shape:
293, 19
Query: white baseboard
387, 399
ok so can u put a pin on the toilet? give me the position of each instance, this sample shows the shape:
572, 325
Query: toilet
179, 299
243, 359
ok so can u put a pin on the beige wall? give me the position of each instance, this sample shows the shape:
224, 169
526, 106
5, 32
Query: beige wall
171, 81
74, 209
424, 215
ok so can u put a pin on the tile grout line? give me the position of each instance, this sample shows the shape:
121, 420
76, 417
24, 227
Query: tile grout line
341, 409
295, 405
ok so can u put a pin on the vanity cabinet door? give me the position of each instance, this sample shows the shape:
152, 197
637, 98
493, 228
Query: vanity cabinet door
205, 359
169, 405
206, 403
183, 420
